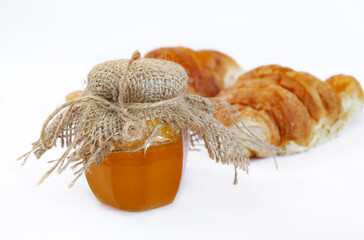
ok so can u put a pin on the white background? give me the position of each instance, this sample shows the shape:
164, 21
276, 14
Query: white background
46, 51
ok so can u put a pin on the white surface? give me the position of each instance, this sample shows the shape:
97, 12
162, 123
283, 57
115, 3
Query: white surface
46, 51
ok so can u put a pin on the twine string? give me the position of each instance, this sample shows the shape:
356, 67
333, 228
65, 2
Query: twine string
125, 116
119, 122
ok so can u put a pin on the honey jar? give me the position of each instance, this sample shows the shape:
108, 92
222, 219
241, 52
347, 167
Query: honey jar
143, 179
128, 132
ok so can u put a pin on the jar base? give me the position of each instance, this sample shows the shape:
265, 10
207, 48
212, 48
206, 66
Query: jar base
135, 209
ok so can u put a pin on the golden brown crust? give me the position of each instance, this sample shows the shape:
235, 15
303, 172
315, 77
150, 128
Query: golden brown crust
258, 120
329, 105
329, 98
206, 69
290, 115
345, 86
305, 88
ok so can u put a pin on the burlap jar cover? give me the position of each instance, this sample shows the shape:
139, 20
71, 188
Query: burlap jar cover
120, 98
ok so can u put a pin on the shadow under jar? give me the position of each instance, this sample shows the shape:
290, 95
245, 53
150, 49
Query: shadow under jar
142, 180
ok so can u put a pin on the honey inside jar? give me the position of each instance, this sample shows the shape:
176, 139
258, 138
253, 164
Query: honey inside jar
137, 181
141, 180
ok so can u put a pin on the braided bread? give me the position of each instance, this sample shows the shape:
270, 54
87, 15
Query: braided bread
292, 110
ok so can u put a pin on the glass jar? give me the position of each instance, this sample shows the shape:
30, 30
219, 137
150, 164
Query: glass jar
142, 180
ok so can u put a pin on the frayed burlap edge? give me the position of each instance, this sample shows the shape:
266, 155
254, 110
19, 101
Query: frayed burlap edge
90, 127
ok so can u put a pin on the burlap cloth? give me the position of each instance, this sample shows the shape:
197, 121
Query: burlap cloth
120, 97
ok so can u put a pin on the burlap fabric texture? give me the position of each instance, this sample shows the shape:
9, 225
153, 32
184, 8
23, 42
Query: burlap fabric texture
120, 98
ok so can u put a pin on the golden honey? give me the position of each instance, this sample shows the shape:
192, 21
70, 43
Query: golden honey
136, 181
141, 180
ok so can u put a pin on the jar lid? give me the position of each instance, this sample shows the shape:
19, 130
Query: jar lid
144, 81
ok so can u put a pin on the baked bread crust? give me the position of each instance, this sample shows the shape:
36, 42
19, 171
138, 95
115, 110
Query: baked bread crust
305, 88
306, 110
208, 71
259, 122
282, 105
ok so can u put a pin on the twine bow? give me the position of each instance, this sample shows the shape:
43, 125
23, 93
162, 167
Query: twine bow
94, 125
